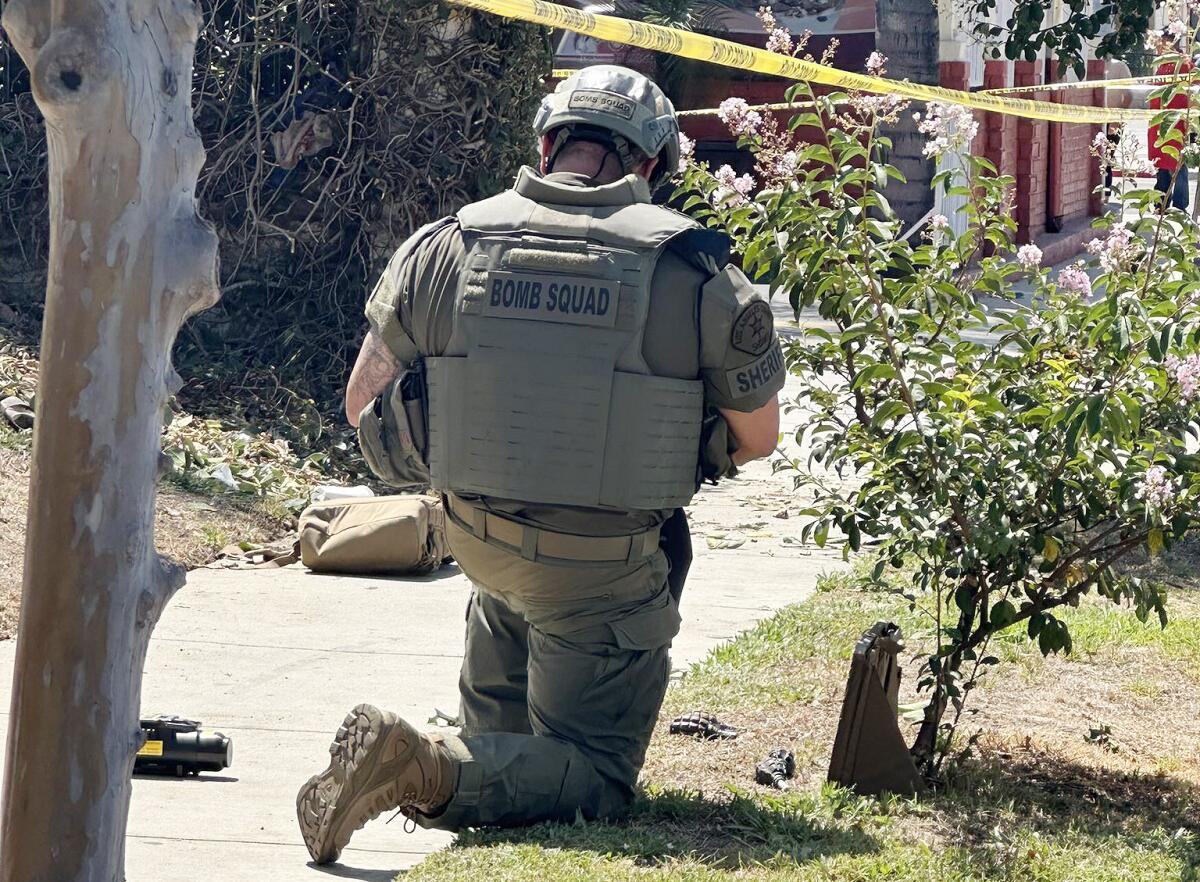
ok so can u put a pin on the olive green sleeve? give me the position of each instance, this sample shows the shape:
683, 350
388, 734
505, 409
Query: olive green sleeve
742, 362
383, 314
411, 308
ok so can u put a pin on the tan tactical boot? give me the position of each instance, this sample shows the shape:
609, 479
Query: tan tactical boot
378, 763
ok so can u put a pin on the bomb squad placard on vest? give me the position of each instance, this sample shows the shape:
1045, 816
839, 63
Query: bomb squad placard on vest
576, 300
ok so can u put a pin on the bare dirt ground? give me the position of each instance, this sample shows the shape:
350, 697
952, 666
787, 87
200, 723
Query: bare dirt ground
189, 528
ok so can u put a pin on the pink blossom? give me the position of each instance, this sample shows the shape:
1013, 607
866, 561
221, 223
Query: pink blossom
875, 64
737, 115
1115, 250
744, 185
725, 176
687, 149
780, 41
950, 128
882, 106
1156, 489
1075, 280
733, 189
1029, 257
784, 166
1186, 373
1177, 28
731, 180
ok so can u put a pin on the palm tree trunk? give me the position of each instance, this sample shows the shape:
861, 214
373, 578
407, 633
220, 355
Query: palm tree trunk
906, 31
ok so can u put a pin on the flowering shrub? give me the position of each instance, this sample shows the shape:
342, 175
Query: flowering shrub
949, 127
1009, 459
1029, 256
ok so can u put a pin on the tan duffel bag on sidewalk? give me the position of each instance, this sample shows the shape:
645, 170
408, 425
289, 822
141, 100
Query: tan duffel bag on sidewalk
385, 535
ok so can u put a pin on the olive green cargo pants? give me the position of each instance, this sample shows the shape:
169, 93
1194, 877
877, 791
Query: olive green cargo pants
562, 680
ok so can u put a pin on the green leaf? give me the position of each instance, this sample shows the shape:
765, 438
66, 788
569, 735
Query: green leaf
1154, 347
1036, 623
1095, 411
872, 372
853, 536
1002, 615
888, 411
1073, 432
822, 534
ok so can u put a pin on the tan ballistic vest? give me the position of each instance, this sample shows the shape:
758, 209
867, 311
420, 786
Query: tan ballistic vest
543, 395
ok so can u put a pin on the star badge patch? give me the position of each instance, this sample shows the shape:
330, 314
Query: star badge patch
752, 329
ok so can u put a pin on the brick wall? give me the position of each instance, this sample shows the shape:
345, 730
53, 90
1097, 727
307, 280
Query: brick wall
1000, 129
1055, 173
1072, 165
1033, 154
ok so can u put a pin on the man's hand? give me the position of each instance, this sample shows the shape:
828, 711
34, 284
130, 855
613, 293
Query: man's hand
374, 369
756, 433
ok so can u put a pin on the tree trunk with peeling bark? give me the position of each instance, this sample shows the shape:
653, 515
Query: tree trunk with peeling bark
130, 259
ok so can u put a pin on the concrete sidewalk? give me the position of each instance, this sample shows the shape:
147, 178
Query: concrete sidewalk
275, 658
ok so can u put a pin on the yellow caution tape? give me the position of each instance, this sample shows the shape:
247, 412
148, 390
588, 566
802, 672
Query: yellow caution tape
748, 58
1118, 83
786, 105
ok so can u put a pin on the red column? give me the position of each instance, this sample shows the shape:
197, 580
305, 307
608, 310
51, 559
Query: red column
1056, 158
1000, 128
1032, 137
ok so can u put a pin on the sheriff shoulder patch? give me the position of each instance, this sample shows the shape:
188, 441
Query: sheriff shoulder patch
752, 329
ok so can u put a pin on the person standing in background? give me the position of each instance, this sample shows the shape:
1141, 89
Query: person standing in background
1171, 174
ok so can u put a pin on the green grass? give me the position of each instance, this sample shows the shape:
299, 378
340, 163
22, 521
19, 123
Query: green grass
610, 852
773, 662
12, 439
1037, 819
1100, 629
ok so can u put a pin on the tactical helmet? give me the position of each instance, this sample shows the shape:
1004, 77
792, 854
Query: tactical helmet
617, 106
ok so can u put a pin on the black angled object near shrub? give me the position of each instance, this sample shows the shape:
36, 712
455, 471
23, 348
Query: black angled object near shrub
869, 753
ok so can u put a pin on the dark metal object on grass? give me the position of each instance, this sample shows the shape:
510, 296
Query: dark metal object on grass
869, 753
777, 769
700, 724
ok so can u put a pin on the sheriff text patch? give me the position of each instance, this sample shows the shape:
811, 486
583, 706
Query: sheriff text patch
575, 300
756, 374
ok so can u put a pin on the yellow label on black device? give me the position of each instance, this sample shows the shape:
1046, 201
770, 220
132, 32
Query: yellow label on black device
151, 748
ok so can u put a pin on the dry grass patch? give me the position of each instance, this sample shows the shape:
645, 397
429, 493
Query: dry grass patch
188, 528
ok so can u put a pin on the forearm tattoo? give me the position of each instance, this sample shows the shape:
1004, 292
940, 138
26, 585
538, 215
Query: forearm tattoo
375, 368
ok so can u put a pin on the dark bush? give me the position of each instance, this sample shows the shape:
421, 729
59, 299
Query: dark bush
333, 130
